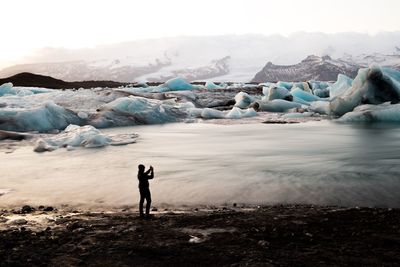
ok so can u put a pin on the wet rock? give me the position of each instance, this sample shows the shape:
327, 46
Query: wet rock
72, 226
20, 222
48, 208
154, 209
27, 209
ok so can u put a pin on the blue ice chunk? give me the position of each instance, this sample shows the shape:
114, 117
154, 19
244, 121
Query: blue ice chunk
323, 93
287, 85
321, 107
178, 84
44, 119
342, 84
300, 101
139, 110
277, 105
9, 89
243, 100
237, 113
372, 85
210, 113
373, 113
275, 92
297, 92
212, 86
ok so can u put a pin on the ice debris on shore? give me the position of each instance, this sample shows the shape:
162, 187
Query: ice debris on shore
86, 136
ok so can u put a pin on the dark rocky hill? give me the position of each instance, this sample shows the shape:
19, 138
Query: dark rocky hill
35, 80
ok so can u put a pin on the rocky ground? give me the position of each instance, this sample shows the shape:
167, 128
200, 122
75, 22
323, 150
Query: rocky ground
294, 235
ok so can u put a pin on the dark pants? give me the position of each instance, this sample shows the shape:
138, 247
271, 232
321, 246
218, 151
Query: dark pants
144, 194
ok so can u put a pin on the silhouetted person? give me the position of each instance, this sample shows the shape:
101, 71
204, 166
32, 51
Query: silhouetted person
144, 189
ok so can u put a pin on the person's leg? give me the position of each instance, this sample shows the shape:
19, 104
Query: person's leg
148, 202
141, 201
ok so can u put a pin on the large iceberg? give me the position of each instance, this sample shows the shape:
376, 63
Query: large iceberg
132, 110
373, 113
85, 136
373, 85
43, 119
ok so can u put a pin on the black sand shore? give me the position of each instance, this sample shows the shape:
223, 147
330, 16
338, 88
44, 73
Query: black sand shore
288, 235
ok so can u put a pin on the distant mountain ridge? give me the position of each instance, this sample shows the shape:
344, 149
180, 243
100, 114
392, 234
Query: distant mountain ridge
218, 58
311, 68
324, 68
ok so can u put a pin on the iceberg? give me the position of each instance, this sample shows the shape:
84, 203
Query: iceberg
43, 119
373, 113
243, 100
372, 85
237, 113
275, 92
132, 110
9, 89
210, 113
342, 84
297, 92
277, 105
212, 86
86, 136
287, 85
321, 107
178, 84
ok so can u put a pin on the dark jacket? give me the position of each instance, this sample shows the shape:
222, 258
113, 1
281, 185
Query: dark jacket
144, 178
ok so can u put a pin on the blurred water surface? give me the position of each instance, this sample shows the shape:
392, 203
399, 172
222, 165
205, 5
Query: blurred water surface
199, 163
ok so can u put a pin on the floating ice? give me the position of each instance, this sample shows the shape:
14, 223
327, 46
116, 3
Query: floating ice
277, 105
210, 113
132, 110
321, 107
340, 86
177, 84
297, 92
85, 136
234, 113
43, 119
212, 86
237, 113
322, 93
243, 100
287, 85
275, 92
373, 113
9, 89
373, 85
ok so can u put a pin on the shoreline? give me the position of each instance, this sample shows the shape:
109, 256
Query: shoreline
283, 235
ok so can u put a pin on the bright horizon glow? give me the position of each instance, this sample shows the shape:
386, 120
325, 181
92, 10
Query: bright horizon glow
30, 25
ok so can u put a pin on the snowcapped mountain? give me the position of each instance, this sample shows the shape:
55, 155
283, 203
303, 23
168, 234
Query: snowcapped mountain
366, 60
217, 58
312, 68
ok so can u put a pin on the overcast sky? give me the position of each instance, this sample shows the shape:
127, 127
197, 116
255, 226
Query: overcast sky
27, 25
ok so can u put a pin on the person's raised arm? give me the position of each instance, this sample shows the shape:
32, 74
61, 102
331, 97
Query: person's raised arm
151, 176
